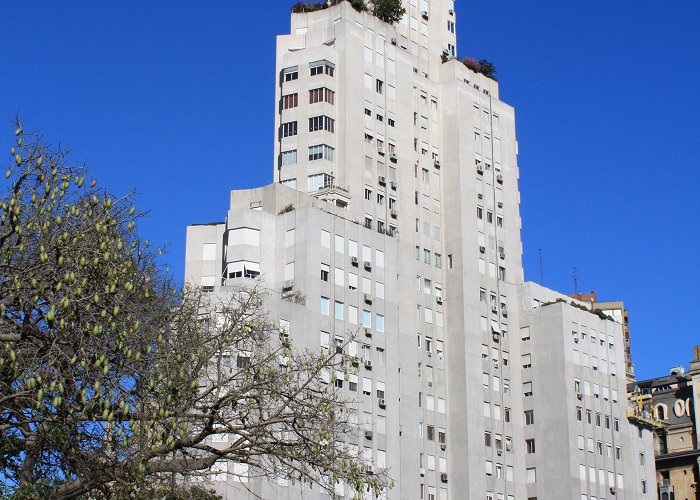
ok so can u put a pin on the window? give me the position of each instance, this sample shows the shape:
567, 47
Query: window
368, 193
321, 95
289, 158
366, 318
380, 323
530, 446
529, 417
320, 152
380, 86
426, 256
288, 129
527, 360
208, 283
290, 183
487, 439
325, 305
325, 269
438, 260
531, 475
318, 181
322, 122
339, 309
289, 74
321, 67
479, 213
527, 389
579, 414
290, 101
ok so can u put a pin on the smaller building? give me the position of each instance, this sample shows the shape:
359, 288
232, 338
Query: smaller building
673, 400
617, 311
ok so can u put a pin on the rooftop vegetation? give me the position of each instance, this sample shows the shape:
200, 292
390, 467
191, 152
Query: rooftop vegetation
483, 66
389, 11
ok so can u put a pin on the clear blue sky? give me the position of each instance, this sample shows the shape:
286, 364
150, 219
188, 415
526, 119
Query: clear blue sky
176, 100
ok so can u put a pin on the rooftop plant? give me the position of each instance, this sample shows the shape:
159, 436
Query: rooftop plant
389, 11
483, 66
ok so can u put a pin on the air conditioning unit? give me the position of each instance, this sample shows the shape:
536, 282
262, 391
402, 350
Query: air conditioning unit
368, 265
494, 308
382, 403
287, 285
452, 12
368, 434
394, 214
394, 185
429, 353
505, 312
430, 384
393, 157
502, 255
368, 333
422, 471
382, 180
482, 248
368, 364
393, 40
339, 349
500, 204
499, 178
437, 163
443, 447
480, 196
424, 14
354, 261
380, 151
439, 300
443, 477
612, 491
368, 298
480, 169
576, 340
579, 395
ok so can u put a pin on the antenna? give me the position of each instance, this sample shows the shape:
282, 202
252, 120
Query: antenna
541, 269
576, 284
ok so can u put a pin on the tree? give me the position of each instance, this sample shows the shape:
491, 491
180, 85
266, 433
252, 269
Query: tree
390, 11
113, 381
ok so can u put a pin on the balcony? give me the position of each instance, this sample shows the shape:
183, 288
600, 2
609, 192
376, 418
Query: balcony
639, 411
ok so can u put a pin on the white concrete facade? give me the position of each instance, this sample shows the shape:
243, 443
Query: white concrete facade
409, 164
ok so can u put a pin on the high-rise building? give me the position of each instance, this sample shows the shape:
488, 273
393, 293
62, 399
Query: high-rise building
395, 214
672, 401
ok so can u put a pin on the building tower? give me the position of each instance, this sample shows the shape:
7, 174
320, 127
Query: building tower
395, 211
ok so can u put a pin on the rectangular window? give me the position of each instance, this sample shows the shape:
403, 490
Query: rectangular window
339, 309
288, 129
321, 95
325, 305
325, 269
529, 417
290, 101
321, 152
530, 446
321, 67
322, 122
289, 158
289, 74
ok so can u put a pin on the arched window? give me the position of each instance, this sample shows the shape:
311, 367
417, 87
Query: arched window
661, 411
